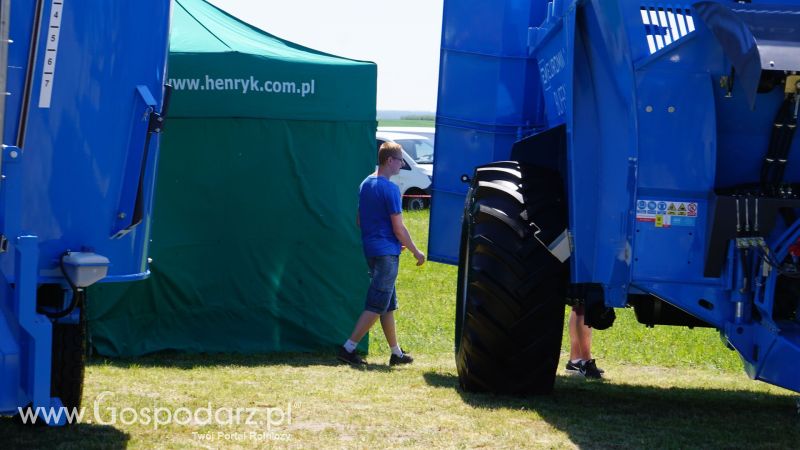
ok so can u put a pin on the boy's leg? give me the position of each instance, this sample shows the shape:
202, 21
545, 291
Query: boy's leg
390, 331
584, 335
389, 328
388, 323
575, 350
382, 272
364, 323
580, 337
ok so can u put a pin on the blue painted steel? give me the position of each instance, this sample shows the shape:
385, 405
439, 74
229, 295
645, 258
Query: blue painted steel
480, 116
662, 117
82, 78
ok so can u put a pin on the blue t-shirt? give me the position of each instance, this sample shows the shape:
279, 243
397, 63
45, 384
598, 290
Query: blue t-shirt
378, 199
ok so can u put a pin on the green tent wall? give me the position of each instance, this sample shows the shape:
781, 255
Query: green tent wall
254, 242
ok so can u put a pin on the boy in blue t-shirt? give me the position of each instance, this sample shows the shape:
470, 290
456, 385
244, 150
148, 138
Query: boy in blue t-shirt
382, 234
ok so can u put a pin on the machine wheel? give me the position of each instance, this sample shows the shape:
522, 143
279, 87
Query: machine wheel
511, 289
69, 360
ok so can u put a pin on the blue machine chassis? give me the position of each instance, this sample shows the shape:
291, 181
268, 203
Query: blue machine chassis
654, 114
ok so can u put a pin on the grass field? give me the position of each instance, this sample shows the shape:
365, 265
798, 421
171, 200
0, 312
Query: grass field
406, 123
665, 388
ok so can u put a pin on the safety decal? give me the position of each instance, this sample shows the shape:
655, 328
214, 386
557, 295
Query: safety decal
667, 213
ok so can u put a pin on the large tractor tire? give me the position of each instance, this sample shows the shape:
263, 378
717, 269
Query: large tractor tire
511, 288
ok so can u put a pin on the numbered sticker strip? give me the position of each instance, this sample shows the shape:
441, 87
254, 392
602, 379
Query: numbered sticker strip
50, 53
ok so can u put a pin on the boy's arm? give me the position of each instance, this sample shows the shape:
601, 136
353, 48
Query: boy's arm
402, 234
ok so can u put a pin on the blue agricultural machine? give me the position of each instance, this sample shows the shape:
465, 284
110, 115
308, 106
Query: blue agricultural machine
84, 90
618, 153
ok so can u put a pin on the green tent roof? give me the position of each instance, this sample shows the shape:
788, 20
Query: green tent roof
245, 72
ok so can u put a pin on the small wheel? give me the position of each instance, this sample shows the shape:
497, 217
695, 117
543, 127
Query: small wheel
415, 204
69, 362
69, 351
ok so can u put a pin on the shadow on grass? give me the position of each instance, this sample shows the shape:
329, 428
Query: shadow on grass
190, 361
604, 414
15, 435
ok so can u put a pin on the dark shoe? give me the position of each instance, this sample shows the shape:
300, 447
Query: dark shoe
589, 370
573, 368
350, 357
397, 360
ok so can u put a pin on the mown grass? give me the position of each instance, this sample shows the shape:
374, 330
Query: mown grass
665, 388
406, 123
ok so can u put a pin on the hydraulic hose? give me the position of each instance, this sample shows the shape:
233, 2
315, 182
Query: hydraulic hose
780, 142
78, 295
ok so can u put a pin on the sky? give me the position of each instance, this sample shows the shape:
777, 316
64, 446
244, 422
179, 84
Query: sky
401, 36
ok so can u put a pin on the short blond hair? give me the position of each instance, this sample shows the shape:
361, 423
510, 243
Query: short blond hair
389, 149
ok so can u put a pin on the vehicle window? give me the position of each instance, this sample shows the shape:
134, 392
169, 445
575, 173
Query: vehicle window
405, 165
420, 150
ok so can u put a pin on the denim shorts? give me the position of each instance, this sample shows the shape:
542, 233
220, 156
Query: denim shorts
382, 296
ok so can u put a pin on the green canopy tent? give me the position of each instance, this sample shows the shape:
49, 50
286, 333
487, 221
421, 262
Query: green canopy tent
254, 242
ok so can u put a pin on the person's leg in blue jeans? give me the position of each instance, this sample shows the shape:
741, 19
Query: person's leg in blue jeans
381, 303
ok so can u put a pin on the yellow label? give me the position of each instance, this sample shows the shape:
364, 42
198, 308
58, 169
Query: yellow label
792, 82
659, 221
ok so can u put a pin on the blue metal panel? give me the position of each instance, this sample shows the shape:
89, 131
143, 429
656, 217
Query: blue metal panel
474, 147
83, 77
600, 124
676, 172
504, 101
76, 149
503, 25
499, 85
777, 362
672, 155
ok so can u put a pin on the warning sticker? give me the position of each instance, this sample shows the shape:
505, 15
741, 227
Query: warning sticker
667, 213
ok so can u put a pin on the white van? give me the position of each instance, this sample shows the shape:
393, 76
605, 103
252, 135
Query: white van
428, 132
414, 179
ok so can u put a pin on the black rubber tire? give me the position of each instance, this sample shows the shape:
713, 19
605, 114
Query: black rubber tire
69, 361
511, 289
416, 204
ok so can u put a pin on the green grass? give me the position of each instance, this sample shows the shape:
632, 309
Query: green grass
666, 387
406, 123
